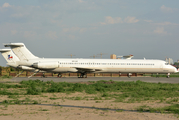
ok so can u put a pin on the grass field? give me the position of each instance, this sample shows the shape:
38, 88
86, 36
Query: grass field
162, 75
123, 92
5, 77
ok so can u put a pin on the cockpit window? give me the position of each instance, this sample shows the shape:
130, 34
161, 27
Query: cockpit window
166, 64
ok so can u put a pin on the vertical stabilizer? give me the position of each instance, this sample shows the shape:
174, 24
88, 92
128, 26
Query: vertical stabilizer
10, 57
21, 51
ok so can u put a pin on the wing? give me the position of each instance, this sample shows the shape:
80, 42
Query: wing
83, 70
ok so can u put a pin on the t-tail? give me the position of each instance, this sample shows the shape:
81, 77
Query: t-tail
21, 51
10, 57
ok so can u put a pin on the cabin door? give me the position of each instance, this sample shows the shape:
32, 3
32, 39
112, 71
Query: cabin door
60, 64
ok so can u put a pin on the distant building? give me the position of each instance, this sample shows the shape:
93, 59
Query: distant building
178, 61
113, 56
169, 60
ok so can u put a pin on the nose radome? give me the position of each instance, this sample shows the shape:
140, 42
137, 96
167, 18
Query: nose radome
176, 70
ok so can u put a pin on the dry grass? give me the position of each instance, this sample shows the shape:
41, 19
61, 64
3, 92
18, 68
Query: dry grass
78, 106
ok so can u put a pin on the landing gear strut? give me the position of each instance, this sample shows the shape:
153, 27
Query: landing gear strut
157, 76
129, 75
43, 75
83, 75
34, 73
168, 75
59, 75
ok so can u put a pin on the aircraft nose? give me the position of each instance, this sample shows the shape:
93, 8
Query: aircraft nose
176, 70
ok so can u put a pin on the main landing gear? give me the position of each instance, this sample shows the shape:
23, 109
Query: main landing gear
83, 75
157, 76
59, 75
129, 75
43, 75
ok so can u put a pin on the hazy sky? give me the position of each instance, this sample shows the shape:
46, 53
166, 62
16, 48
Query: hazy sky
58, 28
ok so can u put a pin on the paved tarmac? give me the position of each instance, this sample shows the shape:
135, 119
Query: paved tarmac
75, 79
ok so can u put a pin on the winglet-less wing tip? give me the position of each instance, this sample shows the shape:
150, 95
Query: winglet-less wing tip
5, 50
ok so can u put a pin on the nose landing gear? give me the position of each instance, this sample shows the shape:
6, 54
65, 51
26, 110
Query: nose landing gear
168, 75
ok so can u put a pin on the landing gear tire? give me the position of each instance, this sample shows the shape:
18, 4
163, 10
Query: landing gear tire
43, 76
168, 75
59, 76
129, 75
83, 75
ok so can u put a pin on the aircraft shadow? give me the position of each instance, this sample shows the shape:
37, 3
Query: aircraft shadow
95, 108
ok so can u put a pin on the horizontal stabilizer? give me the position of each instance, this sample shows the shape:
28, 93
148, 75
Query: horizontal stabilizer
13, 44
5, 50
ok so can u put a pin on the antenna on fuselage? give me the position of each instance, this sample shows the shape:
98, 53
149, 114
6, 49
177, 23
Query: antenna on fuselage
126, 57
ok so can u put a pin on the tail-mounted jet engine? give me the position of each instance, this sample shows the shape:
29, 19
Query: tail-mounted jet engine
26, 68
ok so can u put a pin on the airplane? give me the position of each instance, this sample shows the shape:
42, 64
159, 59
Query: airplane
12, 61
84, 66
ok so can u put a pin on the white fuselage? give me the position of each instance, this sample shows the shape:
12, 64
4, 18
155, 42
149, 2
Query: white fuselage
101, 65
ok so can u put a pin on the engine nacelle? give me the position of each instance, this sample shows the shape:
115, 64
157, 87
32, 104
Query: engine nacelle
46, 65
25, 68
